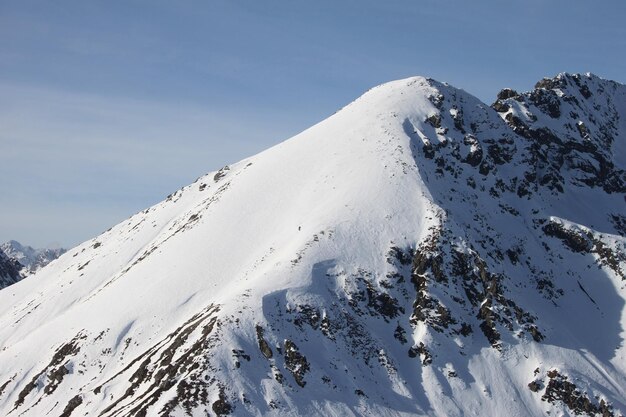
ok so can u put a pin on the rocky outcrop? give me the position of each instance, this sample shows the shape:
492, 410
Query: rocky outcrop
9, 270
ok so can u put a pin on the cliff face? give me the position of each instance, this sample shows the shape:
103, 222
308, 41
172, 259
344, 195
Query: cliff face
9, 270
417, 253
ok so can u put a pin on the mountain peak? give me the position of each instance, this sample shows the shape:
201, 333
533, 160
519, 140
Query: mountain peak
403, 257
578, 89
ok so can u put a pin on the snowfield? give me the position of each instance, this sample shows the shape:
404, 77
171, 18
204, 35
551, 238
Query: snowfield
418, 253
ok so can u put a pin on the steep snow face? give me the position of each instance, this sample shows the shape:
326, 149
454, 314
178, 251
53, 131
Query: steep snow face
417, 253
31, 259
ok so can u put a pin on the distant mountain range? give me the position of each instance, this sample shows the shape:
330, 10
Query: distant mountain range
418, 253
9, 270
20, 261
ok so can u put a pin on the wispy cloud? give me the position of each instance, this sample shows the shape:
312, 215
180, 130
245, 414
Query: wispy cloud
108, 156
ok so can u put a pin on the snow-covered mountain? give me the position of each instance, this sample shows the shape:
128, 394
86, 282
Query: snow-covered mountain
417, 253
32, 259
9, 270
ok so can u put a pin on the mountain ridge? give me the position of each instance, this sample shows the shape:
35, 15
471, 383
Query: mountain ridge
30, 259
9, 270
417, 253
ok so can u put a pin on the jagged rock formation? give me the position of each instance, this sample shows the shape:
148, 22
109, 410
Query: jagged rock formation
9, 270
417, 253
31, 259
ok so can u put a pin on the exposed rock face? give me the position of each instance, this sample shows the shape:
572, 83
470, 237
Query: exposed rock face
9, 270
572, 123
560, 390
31, 260
418, 253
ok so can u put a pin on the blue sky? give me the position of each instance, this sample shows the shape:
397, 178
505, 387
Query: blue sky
106, 107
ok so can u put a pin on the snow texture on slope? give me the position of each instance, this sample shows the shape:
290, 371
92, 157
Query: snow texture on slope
417, 253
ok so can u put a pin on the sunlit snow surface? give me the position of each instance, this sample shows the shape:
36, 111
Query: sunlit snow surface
417, 253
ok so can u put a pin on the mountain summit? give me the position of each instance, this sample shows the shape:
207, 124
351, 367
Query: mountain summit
417, 253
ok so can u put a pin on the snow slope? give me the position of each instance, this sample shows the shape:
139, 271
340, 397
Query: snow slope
417, 253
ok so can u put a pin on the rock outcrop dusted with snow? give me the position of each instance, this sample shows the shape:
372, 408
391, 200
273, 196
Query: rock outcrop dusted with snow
9, 270
417, 253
